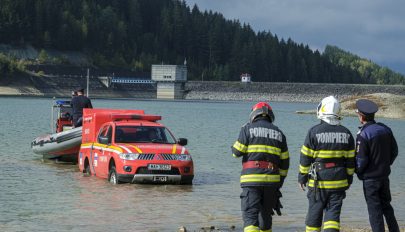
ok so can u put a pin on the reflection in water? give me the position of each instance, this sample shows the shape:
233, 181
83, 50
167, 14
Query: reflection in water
44, 196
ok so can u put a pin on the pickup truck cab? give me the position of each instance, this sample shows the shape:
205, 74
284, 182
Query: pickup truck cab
130, 146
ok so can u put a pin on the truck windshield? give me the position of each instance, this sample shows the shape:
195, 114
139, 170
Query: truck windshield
143, 134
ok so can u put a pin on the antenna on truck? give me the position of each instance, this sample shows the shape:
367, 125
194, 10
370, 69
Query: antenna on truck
87, 85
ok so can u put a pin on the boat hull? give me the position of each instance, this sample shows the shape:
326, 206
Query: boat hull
63, 146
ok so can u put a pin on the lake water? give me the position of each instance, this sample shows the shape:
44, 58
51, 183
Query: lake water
48, 196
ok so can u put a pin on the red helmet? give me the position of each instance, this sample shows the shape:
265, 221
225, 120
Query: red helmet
261, 109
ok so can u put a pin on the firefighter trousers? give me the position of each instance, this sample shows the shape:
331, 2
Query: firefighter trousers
257, 205
320, 201
378, 198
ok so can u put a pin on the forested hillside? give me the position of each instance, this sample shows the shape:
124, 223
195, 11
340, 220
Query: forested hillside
368, 70
137, 33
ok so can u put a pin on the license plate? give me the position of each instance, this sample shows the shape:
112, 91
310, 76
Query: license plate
160, 178
159, 167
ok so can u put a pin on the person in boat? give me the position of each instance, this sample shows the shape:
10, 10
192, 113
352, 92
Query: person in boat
74, 94
78, 103
265, 162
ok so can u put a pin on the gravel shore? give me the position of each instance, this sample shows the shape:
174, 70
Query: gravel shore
390, 105
391, 99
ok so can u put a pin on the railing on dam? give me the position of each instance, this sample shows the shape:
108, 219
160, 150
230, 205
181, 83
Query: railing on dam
128, 80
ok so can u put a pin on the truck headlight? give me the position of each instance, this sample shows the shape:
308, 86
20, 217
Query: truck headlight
129, 156
184, 158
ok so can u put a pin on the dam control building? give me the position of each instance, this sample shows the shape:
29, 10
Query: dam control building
170, 80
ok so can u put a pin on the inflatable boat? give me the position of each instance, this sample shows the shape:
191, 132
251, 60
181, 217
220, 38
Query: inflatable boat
64, 143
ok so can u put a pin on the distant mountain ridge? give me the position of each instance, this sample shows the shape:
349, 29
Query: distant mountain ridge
134, 34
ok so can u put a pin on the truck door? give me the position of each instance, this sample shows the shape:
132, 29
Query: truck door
100, 153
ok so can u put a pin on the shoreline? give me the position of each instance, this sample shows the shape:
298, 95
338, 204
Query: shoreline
344, 228
197, 90
390, 98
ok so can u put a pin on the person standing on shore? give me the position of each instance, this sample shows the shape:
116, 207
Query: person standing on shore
327, 166
376, 150
78, 103
265, 163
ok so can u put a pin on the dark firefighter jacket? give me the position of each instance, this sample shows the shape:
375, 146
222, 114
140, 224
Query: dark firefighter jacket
376, 151
330, 145
262, 141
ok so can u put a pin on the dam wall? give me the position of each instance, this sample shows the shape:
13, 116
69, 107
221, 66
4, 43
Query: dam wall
277, 91
61, 86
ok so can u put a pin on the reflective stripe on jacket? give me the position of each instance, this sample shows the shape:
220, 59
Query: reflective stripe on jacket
333, 144
262, 141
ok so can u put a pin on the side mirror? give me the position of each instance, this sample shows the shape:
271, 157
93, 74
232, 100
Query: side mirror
182, 141
103, 140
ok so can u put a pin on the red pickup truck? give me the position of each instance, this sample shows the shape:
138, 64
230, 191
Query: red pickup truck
131, 146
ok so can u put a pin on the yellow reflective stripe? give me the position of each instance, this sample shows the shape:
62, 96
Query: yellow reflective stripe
312, 229
350, 171
350, 154
86, 144
100, 145
283, 172
331, 225
264, 149
285, 155
304, 169
266, 178
115, 148
266, 230
306, 151
235, 156
325, 154
136, 148
329, 184
240, 147
251, 229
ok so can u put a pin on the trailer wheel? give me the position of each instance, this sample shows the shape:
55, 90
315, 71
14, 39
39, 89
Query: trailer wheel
112, 176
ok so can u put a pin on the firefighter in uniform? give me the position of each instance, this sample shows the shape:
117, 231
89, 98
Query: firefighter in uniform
327, 166
376, 151
265, 162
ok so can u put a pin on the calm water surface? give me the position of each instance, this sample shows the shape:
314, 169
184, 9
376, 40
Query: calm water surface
45, 196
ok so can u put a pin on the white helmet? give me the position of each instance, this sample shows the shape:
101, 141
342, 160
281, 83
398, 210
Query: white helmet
329, 110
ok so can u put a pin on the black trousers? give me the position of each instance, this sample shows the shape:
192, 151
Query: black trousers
378, 198
319, 201
77, 120
257, 205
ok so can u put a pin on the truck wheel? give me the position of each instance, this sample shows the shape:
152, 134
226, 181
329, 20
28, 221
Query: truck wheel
187, 182
112, 176
86, 171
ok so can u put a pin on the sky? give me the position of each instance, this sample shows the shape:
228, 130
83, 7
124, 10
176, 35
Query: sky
371, 29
